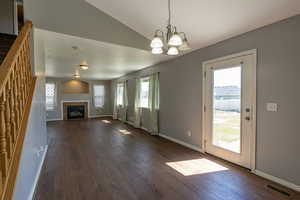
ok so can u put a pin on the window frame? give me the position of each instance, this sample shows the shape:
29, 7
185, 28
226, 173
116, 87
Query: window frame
54, 96
145, 79
94, 96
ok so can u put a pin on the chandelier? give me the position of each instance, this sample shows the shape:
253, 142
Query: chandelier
171, 42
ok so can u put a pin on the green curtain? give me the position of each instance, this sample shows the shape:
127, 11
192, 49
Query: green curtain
125, 103
115, 111
154, 103
137, 109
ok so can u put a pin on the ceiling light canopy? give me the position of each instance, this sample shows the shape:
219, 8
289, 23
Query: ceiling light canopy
173, 41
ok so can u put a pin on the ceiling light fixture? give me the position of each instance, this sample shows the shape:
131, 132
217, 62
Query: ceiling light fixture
171, 40
84, 65
76, 75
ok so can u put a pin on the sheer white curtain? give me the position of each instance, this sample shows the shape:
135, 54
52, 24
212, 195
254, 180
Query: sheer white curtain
154, 103
115, 111
137, 106
125, 103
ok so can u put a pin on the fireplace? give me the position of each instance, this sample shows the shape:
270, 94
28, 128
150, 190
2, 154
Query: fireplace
75, 110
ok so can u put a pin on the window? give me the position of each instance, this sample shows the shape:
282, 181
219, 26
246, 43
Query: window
50, 96
99, 96
120, 92
144, 98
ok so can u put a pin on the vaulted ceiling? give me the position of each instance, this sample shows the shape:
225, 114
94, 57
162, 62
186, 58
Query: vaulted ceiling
114, 35
106, 61
205, 21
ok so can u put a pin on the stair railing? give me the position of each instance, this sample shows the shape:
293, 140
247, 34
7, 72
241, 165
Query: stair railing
16, 90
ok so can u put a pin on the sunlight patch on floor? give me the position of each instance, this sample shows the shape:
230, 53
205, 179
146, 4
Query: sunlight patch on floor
196, 166
124, 131
106, 121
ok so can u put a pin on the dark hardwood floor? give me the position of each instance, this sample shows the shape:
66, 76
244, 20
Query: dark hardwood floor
91, 160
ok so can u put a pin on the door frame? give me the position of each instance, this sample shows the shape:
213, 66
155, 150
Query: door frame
204, 86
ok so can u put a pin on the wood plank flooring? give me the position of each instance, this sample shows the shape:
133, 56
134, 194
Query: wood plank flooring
94, 159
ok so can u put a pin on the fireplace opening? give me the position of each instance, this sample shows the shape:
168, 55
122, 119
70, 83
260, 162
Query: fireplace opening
75, 112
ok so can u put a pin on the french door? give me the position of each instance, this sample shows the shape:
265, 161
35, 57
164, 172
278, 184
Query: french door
229, 108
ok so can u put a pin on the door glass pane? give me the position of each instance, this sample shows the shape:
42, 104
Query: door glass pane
226, 108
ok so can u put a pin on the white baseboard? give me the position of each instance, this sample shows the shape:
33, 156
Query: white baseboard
90, 117
190, 146
31, 196
277, 180
50, 120
96, 116
130, 123
143, 128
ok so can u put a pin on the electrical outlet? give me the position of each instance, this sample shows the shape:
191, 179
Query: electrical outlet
189, 133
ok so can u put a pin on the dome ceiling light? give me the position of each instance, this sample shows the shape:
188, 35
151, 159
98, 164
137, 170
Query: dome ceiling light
84, 65
76, 76
171, 42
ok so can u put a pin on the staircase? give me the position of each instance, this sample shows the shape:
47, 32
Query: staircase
17, 84
6, 41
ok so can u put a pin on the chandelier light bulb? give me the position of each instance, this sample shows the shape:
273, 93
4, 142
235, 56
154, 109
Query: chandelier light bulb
173, 51
157, 51
185, 45
175, 40
157, 42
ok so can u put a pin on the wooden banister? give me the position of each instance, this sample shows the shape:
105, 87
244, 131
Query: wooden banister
16, 90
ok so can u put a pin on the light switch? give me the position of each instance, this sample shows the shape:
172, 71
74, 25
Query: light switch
272, 107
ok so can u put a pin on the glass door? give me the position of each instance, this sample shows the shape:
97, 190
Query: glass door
229, 109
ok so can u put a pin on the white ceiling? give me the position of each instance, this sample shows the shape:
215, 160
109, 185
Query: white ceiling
206, 22
106, 61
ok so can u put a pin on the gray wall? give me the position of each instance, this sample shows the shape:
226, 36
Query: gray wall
34, 145
278, 69
7, 16
56, 113
78, 18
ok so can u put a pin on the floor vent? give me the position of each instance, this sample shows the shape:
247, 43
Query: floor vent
279, 190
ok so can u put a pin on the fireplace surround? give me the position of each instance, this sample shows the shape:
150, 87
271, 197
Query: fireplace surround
75, 110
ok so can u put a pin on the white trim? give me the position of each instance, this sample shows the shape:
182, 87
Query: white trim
253, 135
236, 55
31, 195
56, 119
96, 116
143, 128
190, 146
254, 114
277, 180
130, 123
90, 117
